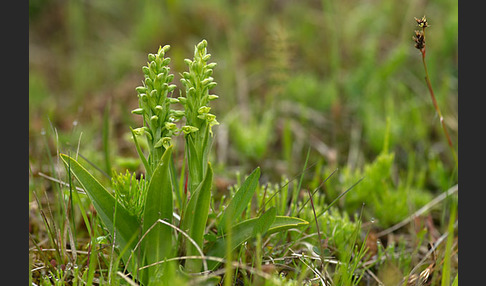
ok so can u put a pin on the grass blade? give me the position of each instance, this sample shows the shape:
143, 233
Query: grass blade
245, 230
105, 138
446, 269
337, 199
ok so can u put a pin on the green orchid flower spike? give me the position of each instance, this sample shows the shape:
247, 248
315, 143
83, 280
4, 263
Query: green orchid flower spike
154, 99
197, 132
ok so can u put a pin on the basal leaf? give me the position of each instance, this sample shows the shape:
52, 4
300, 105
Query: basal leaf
240, 200
245, 230
263, 223
198, 214
105, 205
157, 244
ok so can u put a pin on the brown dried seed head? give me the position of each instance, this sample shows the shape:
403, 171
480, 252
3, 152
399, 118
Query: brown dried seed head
419, 40
422, 23
424, 275
412, 280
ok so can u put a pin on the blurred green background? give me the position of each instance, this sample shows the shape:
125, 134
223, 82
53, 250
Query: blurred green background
291, 75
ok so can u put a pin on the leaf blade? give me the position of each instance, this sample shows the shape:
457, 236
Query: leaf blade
240, 200
245, 230
105, 204
202, 199
157, 244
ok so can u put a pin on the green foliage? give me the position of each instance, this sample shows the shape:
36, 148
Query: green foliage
383, 198
157, 245
196, 216
240, 200
113, 214
140, 215
338, 228
130, 192
348, 72
252, 137
349, 271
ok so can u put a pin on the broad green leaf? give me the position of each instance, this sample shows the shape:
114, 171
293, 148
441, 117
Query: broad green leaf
240, 200
197, 217
157, 244
245, 230
263, 223
194, 165
106, 206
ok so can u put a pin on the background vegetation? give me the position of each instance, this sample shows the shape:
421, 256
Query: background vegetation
338, 79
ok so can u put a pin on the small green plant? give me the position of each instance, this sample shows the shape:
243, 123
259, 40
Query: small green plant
140, 215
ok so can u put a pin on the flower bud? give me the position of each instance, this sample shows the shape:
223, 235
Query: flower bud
171, 87
186, 75
141, 89
169, 78
153, 67
173, 100
177, 114
138, 111
160, 76
151, 57
159, 109
206, 81
146, 71
211, 65
149, 83
202, 45
188, 62
206, 57
211, 85
191, 91
153, 93
208, 73
203, 109
154, 119
163, 50
166, 61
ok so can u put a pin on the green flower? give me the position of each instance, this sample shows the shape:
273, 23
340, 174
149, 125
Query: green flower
154, 100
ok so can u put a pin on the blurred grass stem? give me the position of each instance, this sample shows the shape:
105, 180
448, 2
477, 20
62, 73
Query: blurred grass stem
434, 101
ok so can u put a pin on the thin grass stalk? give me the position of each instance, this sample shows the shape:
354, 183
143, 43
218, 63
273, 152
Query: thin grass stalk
420, 45
228, 274
446, 268
321, 249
